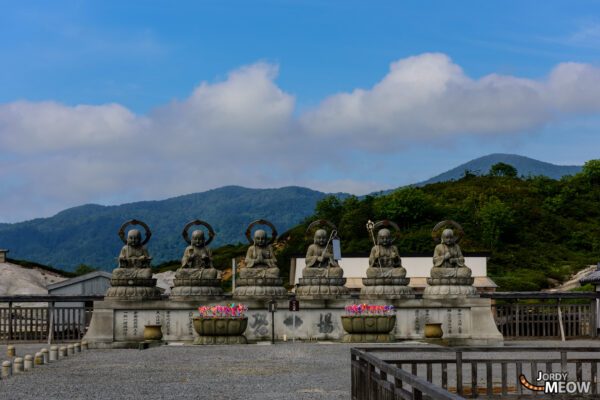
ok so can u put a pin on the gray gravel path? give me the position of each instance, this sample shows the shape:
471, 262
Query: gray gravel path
280, 371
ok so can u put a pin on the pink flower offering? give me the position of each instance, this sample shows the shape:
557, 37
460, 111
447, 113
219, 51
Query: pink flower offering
230, 311
366, 309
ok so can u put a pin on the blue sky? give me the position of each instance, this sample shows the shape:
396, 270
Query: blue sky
111, 102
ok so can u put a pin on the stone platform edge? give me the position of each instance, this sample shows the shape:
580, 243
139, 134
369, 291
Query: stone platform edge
319, 319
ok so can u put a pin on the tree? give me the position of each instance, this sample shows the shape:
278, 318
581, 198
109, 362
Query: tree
591, 170
503, 169
83, 269
495, 217
405, 206
329, 208
468, 174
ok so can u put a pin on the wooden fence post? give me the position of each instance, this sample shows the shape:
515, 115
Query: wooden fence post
10, 321
560, 322
594, 318
51, 324
459, 385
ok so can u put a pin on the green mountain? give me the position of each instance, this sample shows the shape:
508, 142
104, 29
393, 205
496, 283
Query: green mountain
539, 230
88, 234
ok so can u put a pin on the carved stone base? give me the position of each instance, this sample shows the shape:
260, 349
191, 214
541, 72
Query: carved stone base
133, 282
197, 282
259, 282
448, 291
322, 281
368, 338
132, 293
195, 289
313, 292
133, 289
182, 293
386, 281
450, 281
321, 288
241, 339
386, 292
258, 292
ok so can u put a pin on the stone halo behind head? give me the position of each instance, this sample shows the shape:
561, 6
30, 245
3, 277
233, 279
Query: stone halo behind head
443, 224
387, 223
318, 223
134, 222
211, 232
248, 232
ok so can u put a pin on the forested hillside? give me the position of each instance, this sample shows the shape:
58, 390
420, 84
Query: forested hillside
539, 230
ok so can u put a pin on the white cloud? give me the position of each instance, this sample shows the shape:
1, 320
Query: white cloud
242, 131
574, 88
28, 128
427, 97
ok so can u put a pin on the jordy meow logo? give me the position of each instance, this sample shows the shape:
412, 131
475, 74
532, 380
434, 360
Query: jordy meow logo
556, 382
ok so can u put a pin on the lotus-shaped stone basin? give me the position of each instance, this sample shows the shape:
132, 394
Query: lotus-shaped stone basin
368, 323
220, 326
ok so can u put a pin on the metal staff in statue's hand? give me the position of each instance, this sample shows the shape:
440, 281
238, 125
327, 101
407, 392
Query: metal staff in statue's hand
331, 236
371, 229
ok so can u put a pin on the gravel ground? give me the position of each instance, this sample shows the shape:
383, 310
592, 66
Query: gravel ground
280, 371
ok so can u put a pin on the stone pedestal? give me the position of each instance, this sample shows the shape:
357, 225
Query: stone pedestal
259, 288
135, 289
386, 288
319, 288
466, 321
443, 288
196, 289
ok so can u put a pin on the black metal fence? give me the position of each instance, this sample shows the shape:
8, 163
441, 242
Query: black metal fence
520, 315
48, 322
403, 372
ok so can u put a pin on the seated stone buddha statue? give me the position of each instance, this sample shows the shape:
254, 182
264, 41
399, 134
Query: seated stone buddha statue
197, 262
448, 261
260, 259
384, 261
134, 261
319, 259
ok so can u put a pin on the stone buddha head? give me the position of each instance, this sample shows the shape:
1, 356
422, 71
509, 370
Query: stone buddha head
197, 238
260, 238
134, 238
448, 237
321, 237
384, 237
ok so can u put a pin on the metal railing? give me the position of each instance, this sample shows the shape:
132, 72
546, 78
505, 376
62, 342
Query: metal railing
545, 314
49, 322
485, 372
375, 379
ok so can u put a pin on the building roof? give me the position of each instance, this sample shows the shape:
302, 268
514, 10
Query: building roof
593, 278
77, 279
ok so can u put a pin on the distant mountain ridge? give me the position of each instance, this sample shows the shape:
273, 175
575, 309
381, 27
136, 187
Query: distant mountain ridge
87, 234
525, 166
